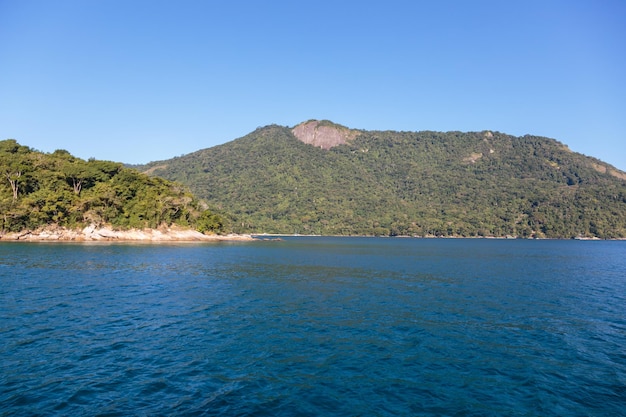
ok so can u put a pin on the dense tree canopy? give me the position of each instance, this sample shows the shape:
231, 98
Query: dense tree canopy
407, 183
38, 189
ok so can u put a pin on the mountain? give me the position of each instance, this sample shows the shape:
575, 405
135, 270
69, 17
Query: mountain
39, 190
323, 178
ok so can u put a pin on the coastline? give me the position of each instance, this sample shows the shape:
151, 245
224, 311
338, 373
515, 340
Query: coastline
108, 234
54, 233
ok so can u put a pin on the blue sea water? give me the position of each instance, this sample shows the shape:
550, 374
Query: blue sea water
314, 326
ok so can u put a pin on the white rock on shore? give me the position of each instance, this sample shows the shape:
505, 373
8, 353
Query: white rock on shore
93, 233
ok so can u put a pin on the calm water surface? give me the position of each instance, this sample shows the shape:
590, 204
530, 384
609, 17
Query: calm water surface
314, 326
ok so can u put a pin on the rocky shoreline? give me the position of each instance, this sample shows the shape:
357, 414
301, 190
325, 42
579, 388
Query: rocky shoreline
108, 234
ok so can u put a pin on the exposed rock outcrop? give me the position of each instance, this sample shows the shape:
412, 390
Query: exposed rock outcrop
323, 134
93, 233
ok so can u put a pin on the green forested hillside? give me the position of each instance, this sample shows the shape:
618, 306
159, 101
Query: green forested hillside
407, 183
38, 189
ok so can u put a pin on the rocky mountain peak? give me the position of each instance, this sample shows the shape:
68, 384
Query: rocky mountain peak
323, 134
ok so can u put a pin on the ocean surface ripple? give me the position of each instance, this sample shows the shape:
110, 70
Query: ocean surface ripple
314, 326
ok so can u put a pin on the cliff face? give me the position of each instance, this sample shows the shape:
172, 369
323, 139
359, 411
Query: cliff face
323, 134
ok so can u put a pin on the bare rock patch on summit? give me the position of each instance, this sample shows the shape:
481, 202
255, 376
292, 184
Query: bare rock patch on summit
323, 134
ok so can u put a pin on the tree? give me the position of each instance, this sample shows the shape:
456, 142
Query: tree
79, 174
209, 222
14, 176
15, 157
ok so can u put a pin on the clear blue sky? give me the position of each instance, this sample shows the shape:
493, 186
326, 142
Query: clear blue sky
142, 80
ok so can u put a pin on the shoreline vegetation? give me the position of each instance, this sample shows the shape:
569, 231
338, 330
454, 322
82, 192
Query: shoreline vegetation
59, 197
93, 233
